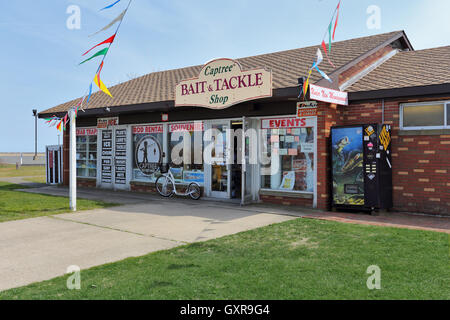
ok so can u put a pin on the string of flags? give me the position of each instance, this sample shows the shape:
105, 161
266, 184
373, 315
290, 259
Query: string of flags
61, 123
331, 32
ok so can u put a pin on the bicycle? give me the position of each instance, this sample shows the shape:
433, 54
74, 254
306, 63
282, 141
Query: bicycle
166, 187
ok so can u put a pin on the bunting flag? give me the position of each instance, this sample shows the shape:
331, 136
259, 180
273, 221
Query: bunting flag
337, 19
119, 18
324, 46
102, 52
330, 36
109, 40
319, 59
101, 85
323, 74
89, 95
58, 127
306, 85
110, 6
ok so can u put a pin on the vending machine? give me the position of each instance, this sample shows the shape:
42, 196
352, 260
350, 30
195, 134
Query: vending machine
362, 167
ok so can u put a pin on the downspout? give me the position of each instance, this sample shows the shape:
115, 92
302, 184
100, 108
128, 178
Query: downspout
382, 113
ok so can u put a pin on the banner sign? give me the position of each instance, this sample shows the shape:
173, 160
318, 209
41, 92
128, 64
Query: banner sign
105, 123
186, 127
148, 129
287, 123
328, 95
307, 109
221, 84
87, 132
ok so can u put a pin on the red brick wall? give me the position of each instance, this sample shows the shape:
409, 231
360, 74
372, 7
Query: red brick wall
287, 201
86, 183
421, 166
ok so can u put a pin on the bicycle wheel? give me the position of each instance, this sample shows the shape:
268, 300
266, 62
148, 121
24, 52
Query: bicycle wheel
164, 186
194, 191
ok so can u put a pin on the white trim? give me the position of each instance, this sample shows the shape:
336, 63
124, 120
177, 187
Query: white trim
366, 71
445, 103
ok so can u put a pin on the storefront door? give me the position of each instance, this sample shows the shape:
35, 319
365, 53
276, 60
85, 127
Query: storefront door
113, 168
219, 168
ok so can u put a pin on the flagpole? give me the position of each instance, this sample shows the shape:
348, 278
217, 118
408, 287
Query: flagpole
73, 162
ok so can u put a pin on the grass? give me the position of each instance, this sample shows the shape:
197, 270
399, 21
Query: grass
299, 259
9, 171
37, 179
16, 205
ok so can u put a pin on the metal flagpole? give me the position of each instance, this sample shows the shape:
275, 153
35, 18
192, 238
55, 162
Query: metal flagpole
73, 162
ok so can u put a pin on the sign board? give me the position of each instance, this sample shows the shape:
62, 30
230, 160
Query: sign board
105, 123
307, 109
87, 132
148, 129
186, 127
328, 95
287, 123
221, 84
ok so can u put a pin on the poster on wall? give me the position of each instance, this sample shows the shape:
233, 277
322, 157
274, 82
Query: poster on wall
347, 166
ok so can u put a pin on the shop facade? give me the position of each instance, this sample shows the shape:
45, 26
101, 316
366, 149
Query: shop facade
237, 128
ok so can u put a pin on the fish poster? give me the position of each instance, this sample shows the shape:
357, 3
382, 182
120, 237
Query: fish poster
348, 166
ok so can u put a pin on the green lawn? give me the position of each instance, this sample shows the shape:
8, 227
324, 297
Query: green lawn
7, 171
300, 259
36, 179
15, 205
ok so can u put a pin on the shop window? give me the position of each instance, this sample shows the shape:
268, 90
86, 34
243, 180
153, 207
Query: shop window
148, 144
425, 116
87, 153
288, 152
186, 152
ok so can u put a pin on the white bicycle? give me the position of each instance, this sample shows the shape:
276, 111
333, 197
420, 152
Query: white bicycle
166, 187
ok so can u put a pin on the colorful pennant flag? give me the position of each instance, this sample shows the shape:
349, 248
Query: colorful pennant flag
319, 59
323, 74
119, 18
306, 85
324, 46
337, 19
110, 6
109, 40
101, 85
102, 52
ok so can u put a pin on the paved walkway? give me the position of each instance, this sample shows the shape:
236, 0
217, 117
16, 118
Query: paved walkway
394, 219
42, 248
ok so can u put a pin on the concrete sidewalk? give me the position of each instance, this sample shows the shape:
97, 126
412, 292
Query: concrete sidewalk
394, 219
42, 248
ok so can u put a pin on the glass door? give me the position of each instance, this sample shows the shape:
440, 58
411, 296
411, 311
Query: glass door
220, 164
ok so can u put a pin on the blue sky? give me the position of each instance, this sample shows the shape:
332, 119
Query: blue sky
39, 55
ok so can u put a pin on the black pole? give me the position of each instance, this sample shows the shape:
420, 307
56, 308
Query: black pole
35, 133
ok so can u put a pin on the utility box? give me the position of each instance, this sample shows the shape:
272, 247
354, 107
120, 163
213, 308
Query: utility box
362, 167
54, 164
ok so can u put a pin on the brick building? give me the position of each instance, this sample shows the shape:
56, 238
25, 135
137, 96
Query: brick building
386, 80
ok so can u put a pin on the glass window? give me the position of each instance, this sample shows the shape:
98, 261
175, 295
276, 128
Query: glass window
423, 115
186, 152
148, 144
87, 153
448, 114
288, 156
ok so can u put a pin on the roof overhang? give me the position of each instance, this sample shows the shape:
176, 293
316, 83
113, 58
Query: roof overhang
419, 91
165, 106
